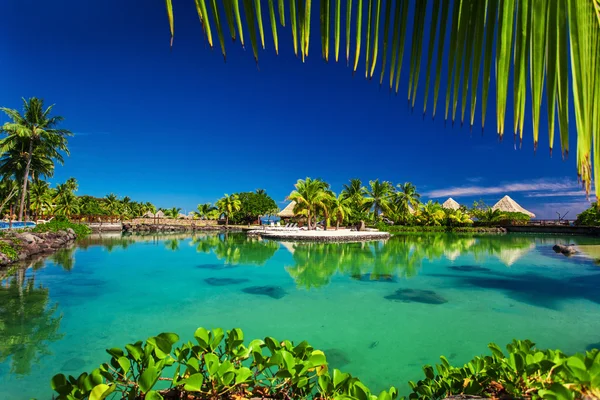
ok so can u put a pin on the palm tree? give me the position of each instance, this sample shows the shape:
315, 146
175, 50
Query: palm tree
340, 208
228, 205
542, 35
406, 198
40, 197
34, 130
310, 196
67, 204
203, 210
111, 204
173, 212
431, 214
378, 197
457, 217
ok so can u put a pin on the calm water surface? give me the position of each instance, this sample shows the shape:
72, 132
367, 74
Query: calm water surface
380, 310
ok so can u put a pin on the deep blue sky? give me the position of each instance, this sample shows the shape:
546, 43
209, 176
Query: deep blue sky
182, 127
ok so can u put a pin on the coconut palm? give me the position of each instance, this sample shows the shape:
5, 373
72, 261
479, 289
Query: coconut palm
542, 35
35, 130
228, 205
310, 196
111, 204
431, 214
379, 197
457, 217
67, 204
40, 197
203, 210
406, 198
340, 208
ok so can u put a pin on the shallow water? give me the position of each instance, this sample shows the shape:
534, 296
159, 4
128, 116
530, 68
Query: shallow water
380, 310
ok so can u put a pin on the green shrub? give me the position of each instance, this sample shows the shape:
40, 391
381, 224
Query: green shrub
81, 230
9, 251
217, 366
416, 228
589, 217
525, 373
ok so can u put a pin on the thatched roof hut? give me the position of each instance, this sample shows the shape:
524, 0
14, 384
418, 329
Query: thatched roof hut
182, 216
507, 204
159, 214
288, 211
148, 214
451, 204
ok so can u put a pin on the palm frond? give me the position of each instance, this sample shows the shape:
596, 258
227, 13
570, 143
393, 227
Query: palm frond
533, 43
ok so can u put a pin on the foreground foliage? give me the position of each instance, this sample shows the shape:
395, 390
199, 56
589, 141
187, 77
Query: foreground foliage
524, 372
217, 366
589, 217
532, 43
62, 225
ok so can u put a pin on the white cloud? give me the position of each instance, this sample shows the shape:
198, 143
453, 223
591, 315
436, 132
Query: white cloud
572, 193
531, 186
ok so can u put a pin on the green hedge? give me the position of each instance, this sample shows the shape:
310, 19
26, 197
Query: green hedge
9, 251
415, 228
219, 365
81, 230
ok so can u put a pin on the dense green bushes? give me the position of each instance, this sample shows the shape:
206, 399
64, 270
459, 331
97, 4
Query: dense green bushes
219, 366
525, 373
440, 228
589, 217
56, 225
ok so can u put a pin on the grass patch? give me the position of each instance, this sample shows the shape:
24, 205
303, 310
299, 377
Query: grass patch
55, 226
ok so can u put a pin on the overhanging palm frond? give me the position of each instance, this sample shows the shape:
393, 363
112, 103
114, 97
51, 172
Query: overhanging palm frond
532, 39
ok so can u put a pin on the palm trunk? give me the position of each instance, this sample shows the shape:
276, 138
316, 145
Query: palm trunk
25, 179
227, 220
308, 220
337, 224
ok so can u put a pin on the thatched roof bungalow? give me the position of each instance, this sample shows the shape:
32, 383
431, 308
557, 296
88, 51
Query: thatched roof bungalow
507, 204
451, 204
288, 211
160, 214
148, 214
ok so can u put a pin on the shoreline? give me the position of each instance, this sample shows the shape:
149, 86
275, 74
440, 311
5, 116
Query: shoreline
340, 235
21, 246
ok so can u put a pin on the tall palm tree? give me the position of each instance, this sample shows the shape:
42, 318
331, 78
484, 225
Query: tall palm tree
340, 208
310, 196
406, 198
378, 197
34, 130
67, 204
40, 197
111, 204
228, 205
541, 34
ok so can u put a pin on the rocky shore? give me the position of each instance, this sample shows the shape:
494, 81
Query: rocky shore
19, 246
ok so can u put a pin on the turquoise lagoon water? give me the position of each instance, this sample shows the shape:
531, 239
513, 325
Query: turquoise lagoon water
380, 310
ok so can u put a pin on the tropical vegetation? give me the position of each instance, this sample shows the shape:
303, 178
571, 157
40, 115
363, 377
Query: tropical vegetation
533, 44
383, 204
221, 365
589, 217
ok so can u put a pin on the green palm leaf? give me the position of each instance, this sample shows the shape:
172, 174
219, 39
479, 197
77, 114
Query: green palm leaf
535, 44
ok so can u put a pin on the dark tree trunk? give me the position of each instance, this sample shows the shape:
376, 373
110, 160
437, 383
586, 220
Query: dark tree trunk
25, 179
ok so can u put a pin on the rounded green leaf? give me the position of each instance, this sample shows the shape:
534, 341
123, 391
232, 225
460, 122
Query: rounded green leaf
148, 379
101, 391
